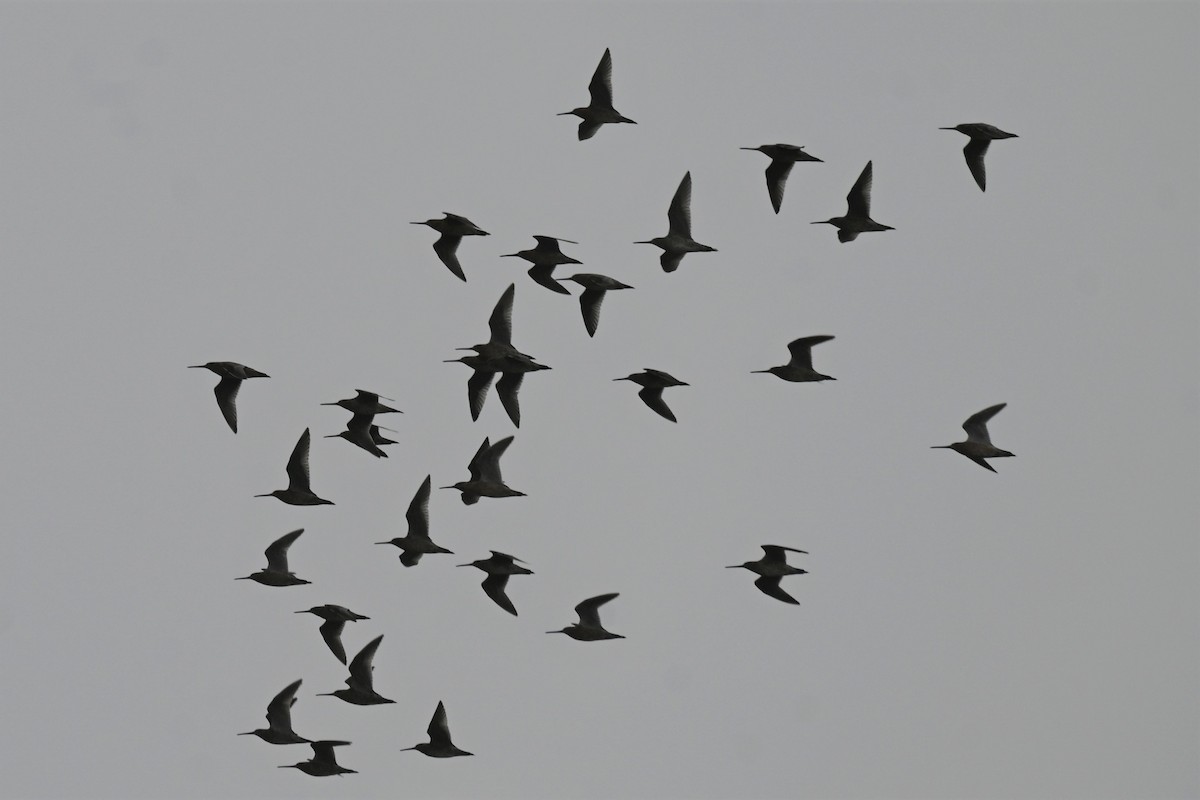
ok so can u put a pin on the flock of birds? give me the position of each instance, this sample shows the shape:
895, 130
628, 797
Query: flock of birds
499, 357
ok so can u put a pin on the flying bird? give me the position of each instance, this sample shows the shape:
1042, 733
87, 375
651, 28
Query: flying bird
335, 618
799, 368
600, 110
782, 156
773, 566
232, 374
362, 689
323, 762
361, 433
279, 719
653, 381
858, 210
439, 744
589, 629
594, 287
545, 257
452, 229
416, 542
498, 568
679, 242
978, 444
981, 135
298, 492
277, 572
484, 468
365, 402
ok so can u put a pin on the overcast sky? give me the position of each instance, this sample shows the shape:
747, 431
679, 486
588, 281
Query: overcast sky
182, 183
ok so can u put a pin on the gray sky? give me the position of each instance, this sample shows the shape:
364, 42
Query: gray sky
186, 183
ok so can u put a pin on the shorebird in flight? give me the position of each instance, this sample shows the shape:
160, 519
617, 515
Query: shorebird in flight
594, 287
782, 156
858, 210
498, 568
771, 567
799, 368
978, 444
589, 629
279, 719
416, 542
600, 110
439, 744
362, 688
335, 618
298, 493
232, 374
323, 763
484, 469
679, 242
452, 229
277, 572
653, 381
981, 135
545, 257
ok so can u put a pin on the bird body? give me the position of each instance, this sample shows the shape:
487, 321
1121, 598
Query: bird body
365, 402
232, 374
981, 135
782, 156
771, 568
545, 257
299, 491
594, 288
452, 228
498, 568
335, 618
858, 210
323, 763
978, 444
277, 572
361, 433
679, 242
416, 542
485, 479
361, 691
279, 719
653, 381
439, 744
589, 629
600, 110
799, 368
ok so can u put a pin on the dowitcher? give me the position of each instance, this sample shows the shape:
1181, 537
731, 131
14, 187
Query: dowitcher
600, 110
782, 156
484, 468
323, 762
589, 629
452, 229
365, 402
335, 618
545, 257
362, 689
416, 542
679, 242
799, 368
439, 744
858, 210
279, 719
981, 135
594, 287
498, 568
298, 492
978, 444
277, 572
653, 381
773, 566
232, 374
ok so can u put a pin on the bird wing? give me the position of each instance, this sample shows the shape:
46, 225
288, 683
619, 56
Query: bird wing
589, 304
361, 668
489, 465
446, 248
418, 512
323, 751
477, 389
493, 587
474, 465
297, 466
976, 425
544, 275
331, 632
589, 610
587, 129
500, 321
801, 349
652, 396
974, 152
858, 202
777, 173
769, 585
226, 391
439, 727
601, 86
277, 552
774, 553
279, 710
679, 215
670, 261
507, 387
846, 235
410, 558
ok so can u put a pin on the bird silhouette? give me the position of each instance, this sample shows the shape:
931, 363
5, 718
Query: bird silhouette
323, 763
600, 110
335, 618
978, 444
679, 242
439, 744
782, 156
589, 629
545, 257
365, 402
277, 572
452, 228
771, 567
416, 542
484, 469
361, 433
232, 374
653, 381
498, 568
279, 719
298, 492
981, 135
799, 368
858, 210
594, 288
361, 691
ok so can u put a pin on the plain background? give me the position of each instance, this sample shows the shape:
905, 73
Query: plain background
182, 183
